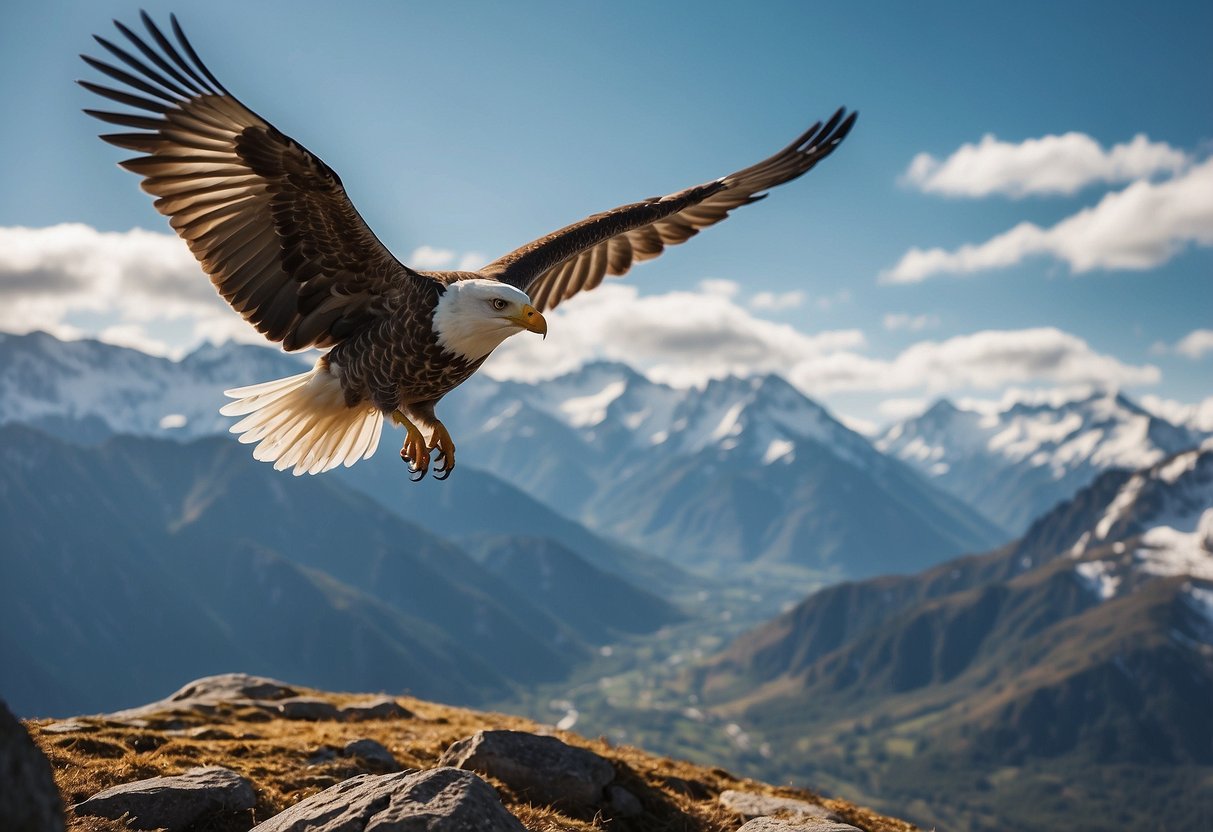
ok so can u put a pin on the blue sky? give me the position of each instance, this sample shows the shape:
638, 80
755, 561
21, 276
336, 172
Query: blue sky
471, 128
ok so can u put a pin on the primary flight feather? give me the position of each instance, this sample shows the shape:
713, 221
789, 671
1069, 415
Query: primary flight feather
272, 226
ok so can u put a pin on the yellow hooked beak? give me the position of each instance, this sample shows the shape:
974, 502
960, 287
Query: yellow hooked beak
530, 319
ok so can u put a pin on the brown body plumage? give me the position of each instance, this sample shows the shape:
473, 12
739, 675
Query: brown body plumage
272, 226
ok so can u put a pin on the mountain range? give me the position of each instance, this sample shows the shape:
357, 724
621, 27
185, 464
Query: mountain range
743, 474
136, 563
1081, 653
1016, 462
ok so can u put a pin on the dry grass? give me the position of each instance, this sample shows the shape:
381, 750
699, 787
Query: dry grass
285, 760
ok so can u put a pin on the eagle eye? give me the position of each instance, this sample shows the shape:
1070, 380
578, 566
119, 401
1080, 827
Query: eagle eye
498, 303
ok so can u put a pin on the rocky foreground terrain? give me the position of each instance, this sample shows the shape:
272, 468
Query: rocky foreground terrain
234, 752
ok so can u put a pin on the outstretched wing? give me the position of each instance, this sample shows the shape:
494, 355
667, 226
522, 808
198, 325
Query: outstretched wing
576, 258
269, 222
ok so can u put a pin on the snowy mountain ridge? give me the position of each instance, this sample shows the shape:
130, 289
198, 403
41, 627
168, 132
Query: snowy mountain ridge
1015, 462
1159, 523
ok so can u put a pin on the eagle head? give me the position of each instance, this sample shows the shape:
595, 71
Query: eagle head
474, 316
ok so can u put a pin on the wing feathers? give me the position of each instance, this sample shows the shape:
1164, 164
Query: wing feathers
576, 258
268, 221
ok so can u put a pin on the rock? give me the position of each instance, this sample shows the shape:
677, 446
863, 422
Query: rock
232, 687
29, 799
623, 803
68, 726
437, 800
751, 805
384, 708
173, 802
372, 752
308, 708
204, 696
543, 769
796, 824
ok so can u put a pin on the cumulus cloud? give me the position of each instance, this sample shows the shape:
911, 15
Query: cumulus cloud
1198, 415
777, 300
48, 275
720, 287
1140, 227
431, 257
1196, 344
895, 321
900, 409
981, 360
686, 338
1048, 165
683, 338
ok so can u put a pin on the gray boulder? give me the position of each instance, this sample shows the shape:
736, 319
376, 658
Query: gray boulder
436, 800
233, 687
29, 800
542, 769
306, 708
205, 696
372, 752
175, 802
796, 824
751, 805
383, 708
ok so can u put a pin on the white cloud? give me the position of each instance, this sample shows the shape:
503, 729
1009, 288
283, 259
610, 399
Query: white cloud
1198, 415
982, 360
719, 287
472, 261
897, 410
429, 257
777, 300
48, 275
1140, 227
894, 321
1196, 343
1048, 165
686, 338
683, 338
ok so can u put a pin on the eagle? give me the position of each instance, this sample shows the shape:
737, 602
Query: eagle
273, 228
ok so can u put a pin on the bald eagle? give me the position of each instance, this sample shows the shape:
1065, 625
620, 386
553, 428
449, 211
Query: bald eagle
271, 225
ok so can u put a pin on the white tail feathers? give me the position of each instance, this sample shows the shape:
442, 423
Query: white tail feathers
303, 421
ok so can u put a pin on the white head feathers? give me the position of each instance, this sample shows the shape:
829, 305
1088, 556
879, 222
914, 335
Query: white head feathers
474, 316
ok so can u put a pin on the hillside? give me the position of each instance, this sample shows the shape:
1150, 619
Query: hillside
1083, 654
292, 743
166, 559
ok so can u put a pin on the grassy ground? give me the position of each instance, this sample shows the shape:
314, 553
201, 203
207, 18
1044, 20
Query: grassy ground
285, 761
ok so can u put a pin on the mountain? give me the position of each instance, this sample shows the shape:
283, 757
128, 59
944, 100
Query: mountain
467, 507
135, 564
598, 605
1082, 653
86, 390
743, 472
1014, 464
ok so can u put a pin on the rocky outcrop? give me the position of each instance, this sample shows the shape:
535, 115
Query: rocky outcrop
228, 691
541, 769
173, 803
750, 805
29, 800
297, 759
796, 824
438, 799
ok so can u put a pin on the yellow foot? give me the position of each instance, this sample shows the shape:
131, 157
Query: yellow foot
444, 464
415, 452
